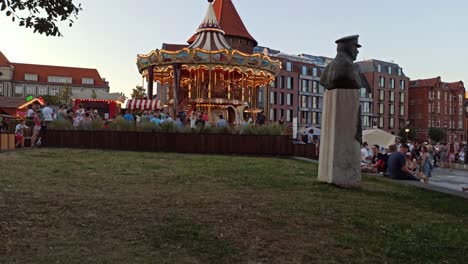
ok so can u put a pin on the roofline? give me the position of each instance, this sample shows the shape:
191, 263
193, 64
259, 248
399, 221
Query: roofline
56, 66
62, 84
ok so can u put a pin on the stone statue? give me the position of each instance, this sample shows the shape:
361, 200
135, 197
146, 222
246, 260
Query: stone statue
341, 72
341, 136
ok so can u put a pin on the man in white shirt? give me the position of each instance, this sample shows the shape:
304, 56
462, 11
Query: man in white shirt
365, 153
48, 113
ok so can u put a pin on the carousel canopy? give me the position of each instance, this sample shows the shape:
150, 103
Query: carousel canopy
210, 36
209, 51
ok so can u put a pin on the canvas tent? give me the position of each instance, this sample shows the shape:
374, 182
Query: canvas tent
379, 137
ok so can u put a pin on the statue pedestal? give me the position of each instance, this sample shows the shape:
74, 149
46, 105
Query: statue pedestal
340, 156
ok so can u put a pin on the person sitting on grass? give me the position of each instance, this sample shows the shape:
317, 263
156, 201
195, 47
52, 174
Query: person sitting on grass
397, 167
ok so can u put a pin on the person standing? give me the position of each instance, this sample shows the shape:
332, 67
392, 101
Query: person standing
37, 127
19, 133
221, 122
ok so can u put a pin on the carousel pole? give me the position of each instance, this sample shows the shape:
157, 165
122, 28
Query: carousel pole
209, 93
150, 82
229, 85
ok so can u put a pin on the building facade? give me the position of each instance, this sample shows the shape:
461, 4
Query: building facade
389, 88
297, 92
22, 80
434, 103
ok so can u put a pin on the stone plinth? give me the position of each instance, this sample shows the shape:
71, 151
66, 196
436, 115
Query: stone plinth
340, 155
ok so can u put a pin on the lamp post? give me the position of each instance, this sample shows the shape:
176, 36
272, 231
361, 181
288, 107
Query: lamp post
466, 132
407, 134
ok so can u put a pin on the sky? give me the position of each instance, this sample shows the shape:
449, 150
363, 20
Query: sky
426, 38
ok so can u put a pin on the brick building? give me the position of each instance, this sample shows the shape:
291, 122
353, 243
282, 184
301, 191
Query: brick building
22, 80
433, 103
389, 87
297, 91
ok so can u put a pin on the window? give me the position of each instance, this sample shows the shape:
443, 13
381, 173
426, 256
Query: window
1, 90
272, 97
363, 93
400, 71
382, 82
402, 84
315, 102
381, 109
260, 96
54, 91
19, 90
289, 66
392, 109
402, 97
389, 70
289, 99
30, 90
314, 72
392, 123
273, 114
315, 87
290, 82
42, 91
438, 107
273, 83
55, 79
381, 122
460, 123
379, 68
304, 102
392, 96
30, 77
289, 115
316, 117
304, 70
305, 85
392, 83
402, 110
438, 95
381, 95
281, 86
281, 99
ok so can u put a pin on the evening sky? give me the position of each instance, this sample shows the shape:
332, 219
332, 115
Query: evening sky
426, 38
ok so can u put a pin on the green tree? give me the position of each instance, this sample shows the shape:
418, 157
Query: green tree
411, 134
41, 15
138, 93
64, 95
436, 134
52, 99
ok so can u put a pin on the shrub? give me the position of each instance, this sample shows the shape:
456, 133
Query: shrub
120, 124
61, 124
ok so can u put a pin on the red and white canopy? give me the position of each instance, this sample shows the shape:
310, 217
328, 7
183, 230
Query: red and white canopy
141, 104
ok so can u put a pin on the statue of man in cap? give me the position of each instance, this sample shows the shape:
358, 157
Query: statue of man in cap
341, 72
339, 161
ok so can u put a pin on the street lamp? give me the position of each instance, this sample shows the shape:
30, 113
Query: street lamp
466, 132
407, 132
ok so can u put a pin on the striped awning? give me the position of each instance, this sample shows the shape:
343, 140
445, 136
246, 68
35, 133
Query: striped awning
141, 104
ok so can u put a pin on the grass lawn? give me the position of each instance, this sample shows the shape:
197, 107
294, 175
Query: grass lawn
83, 206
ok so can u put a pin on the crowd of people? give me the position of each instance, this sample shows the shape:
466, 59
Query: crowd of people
411, 161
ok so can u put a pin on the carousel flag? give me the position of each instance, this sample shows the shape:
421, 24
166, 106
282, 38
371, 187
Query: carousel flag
142, 104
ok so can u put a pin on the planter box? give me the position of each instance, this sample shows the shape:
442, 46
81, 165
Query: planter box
255, 145
7, 142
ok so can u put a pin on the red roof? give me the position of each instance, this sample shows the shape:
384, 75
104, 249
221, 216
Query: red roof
44, 71
230, 21
4, 62
455, 85
173, 47
425, 82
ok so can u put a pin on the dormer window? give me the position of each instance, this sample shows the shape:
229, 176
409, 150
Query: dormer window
89, 81
56, 79
30, 77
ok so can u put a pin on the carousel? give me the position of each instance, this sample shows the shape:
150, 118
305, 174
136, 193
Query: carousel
209, 76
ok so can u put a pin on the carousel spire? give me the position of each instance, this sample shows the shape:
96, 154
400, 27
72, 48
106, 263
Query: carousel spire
209, 34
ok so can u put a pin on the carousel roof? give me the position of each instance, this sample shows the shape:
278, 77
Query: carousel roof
210, 36
229, 20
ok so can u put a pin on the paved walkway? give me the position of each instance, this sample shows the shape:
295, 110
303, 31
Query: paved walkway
450, 179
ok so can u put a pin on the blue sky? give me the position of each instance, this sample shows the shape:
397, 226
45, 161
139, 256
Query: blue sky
427, 38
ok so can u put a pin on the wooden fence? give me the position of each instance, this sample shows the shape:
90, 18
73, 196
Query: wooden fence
7, 141
255, 145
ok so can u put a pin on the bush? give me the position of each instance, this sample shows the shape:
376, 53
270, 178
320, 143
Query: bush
61, 124
120, 124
